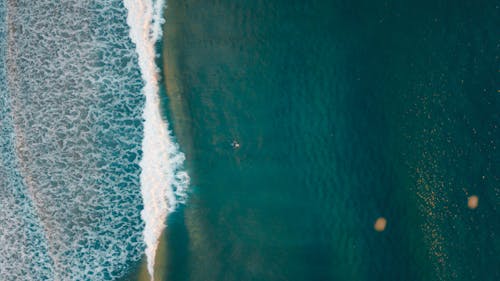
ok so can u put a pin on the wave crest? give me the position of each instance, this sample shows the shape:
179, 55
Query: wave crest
163, 182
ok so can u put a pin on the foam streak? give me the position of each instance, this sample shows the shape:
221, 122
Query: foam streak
162, 181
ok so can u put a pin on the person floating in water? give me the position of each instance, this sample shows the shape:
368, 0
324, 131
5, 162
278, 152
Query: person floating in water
235, 144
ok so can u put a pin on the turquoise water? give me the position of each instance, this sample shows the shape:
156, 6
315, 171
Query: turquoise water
344, 112
301, 122
71, 135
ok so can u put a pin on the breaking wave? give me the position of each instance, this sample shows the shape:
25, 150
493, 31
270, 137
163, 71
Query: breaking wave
163, 182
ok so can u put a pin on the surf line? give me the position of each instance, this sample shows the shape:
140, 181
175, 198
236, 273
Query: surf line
163, 180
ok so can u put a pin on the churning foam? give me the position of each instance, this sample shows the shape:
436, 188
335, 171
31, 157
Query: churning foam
163, 182
70, 144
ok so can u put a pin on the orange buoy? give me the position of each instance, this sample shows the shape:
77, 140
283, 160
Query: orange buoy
472, 202
380, 224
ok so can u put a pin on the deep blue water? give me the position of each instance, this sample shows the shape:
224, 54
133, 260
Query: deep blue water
344, 111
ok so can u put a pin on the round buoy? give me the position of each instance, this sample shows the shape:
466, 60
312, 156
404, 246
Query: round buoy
472, 202
380, 224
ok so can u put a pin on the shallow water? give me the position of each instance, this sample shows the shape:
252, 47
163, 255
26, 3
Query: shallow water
71, 200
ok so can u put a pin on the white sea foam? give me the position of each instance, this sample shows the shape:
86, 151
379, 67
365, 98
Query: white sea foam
162, 180
70, 142
23, 254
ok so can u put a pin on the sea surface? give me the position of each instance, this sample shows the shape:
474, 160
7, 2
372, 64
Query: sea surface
249, 140
89, 170
345, 111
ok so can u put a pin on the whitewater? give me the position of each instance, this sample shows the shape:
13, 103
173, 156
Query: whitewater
89, 169
163, 181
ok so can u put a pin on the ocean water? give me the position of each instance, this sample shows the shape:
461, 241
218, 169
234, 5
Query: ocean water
345, 111
89, 170
249, 140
